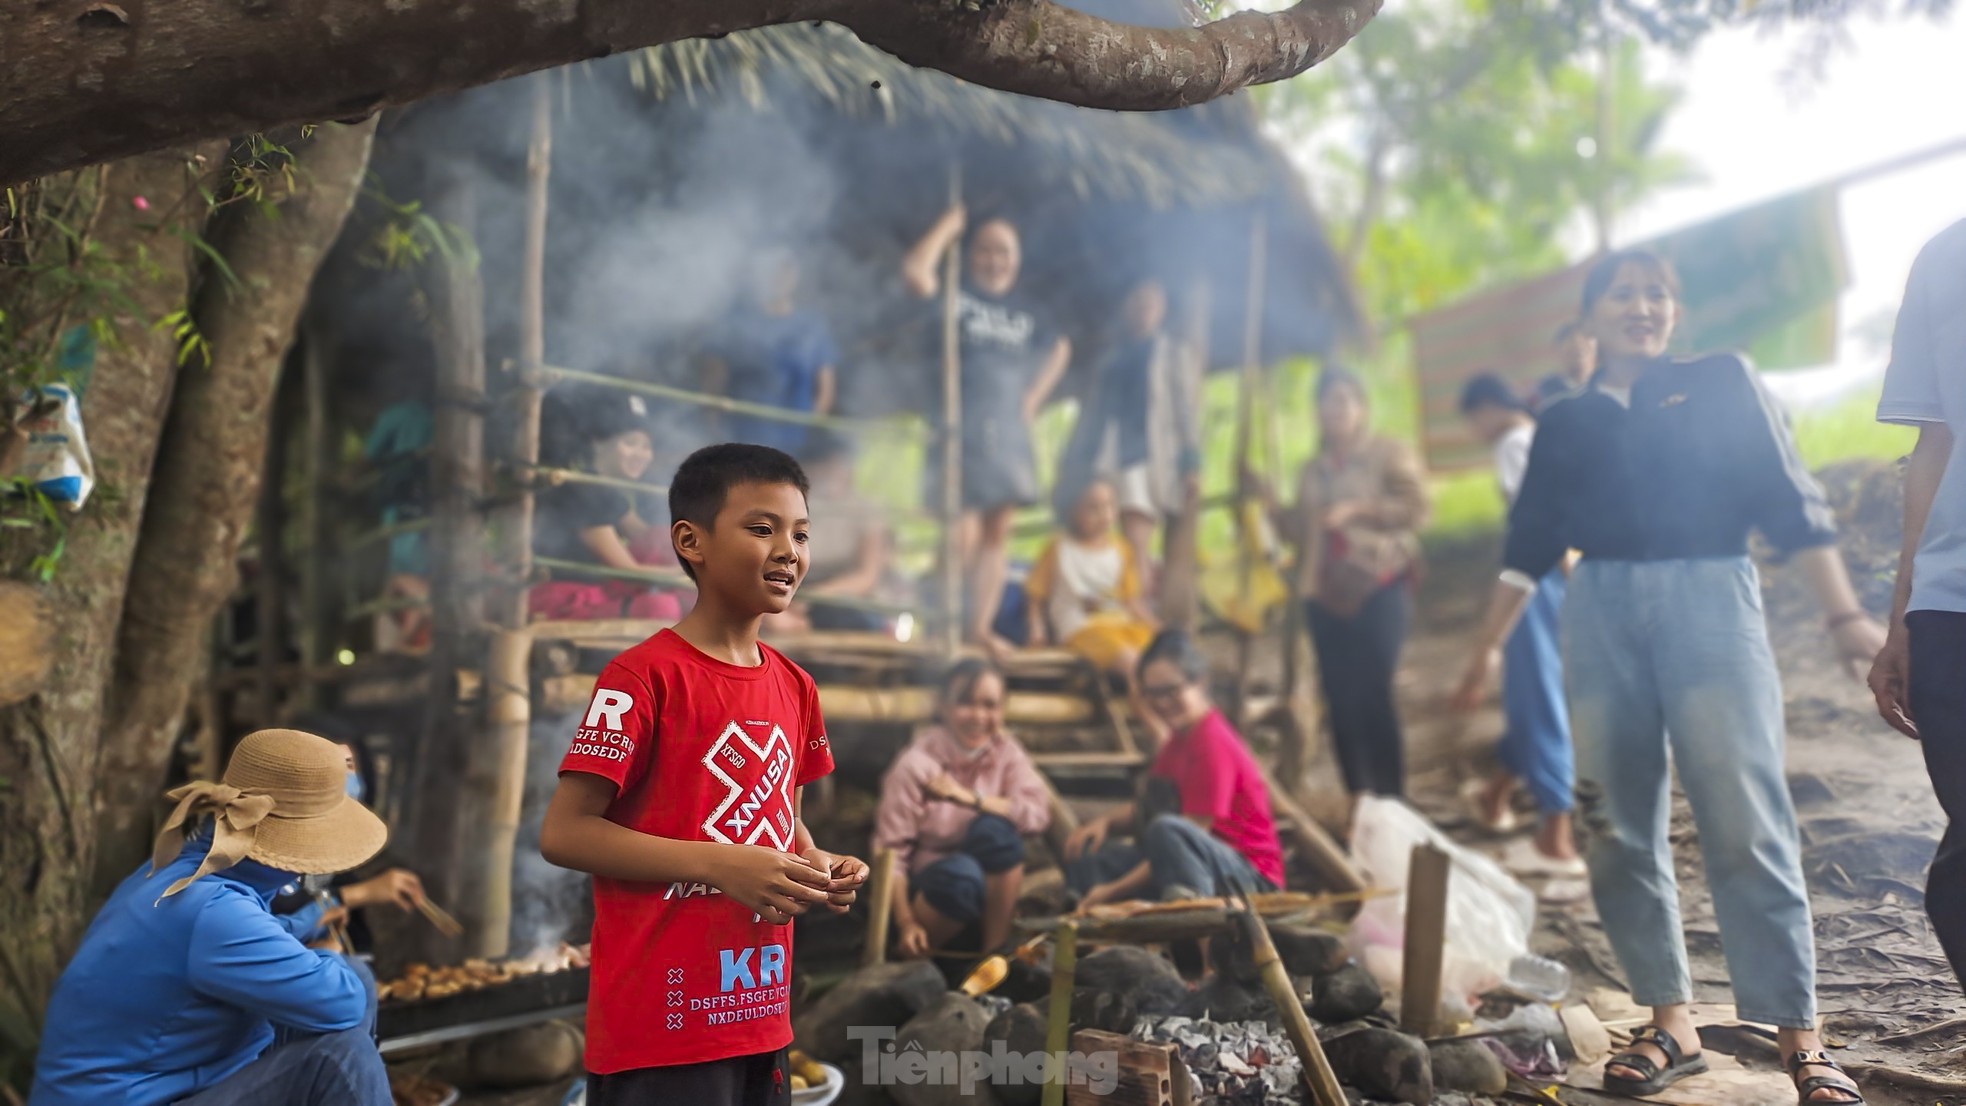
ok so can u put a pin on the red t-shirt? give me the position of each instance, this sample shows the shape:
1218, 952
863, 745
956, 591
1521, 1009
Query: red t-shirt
1219, 780
701, 750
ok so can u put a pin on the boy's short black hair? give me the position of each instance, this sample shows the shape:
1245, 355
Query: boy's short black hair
704, 480
1489, 390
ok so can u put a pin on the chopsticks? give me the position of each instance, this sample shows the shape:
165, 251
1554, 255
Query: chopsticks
441, 918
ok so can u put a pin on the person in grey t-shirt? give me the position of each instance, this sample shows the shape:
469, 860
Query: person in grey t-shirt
1920, 675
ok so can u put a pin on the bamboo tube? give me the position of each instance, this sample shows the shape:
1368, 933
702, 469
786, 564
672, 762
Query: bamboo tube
880, 891
1319, 1079
1058, 1022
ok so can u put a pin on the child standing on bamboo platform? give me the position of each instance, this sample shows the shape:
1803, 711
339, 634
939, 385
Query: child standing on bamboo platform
1084, 592
681, 793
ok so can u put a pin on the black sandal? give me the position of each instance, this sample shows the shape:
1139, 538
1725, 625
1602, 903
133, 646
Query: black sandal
1656, 1079
1839, 1082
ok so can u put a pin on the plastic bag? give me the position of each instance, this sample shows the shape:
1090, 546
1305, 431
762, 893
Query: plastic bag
55, 459
1489, 914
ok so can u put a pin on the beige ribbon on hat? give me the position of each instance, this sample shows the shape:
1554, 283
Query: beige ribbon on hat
234, 829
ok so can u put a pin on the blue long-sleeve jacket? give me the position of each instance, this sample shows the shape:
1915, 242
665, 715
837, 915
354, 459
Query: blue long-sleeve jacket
167, 997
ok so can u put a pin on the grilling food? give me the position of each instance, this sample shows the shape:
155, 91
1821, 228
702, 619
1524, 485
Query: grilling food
420, 982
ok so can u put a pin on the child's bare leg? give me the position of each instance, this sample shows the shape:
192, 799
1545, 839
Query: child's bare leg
1555, 837
989, 563
1000, 906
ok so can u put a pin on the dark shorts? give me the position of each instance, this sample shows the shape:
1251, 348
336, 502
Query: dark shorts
760, 1080
954, 884
999, 465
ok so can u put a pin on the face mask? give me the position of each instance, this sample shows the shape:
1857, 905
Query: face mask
354, 786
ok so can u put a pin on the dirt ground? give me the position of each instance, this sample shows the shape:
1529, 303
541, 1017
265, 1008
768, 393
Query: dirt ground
1869, 824
1869, 821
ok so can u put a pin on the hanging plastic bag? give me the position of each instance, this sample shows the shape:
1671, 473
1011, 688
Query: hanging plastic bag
55, 459
1242, 585
1489, 914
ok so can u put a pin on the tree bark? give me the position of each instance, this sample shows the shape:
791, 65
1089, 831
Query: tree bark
86, 80
49, 741
209, 465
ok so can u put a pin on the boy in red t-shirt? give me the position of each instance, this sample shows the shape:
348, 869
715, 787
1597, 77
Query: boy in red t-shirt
680, 794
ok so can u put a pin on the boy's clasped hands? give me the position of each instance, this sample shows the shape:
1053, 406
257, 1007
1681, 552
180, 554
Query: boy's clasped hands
779, 886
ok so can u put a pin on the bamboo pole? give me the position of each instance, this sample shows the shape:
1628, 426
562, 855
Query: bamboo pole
1248, 381
880, 905
1319, 1079
315, 461
500, 778
1180, 601
1322, 851
1426, 940
952, 422
270, 526
1058, 1022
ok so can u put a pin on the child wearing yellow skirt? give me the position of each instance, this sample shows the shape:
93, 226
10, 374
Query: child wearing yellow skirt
1085, 591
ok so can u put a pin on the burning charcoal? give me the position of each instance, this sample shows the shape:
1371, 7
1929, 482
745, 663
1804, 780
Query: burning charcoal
1022, 1031
952, 1026
1384, 1064
885, 994
1467, 1066
1345, 995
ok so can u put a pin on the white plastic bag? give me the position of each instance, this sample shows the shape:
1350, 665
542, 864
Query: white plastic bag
1489, 914
56, 458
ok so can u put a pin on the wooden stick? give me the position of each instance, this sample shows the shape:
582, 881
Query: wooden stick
1426, 939
1319, 1078
880, 891
1321, 849
441, 918
952, 421
1058, 1023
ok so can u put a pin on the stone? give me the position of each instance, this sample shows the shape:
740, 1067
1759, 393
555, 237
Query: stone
1021, 1030
952, 1026
885, 995
1224, 998
1345, 995
1304, 948
1115, 986
1384, 1064
525, 1057
1467, 1066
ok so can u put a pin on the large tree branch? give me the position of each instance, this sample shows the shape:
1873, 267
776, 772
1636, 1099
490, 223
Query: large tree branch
206, 482
1041, 48
88, 80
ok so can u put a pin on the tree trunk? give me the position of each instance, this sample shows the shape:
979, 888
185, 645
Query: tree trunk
49, 740
86, 81
209, 465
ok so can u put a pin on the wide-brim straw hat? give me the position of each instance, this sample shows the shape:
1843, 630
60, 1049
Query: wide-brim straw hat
284, 803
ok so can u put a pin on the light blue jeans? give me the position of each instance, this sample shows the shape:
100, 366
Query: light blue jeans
1536, 746
1668, 665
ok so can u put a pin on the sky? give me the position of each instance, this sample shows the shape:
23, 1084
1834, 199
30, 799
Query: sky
1754, 132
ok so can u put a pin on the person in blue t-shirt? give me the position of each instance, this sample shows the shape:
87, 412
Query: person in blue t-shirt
775, 353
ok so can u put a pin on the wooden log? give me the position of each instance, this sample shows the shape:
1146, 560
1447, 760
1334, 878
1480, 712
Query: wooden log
1058, 1019
1160, 923
1426, 940
1319, 1079
27, 641
1321, 850
880, 905
1148, 1075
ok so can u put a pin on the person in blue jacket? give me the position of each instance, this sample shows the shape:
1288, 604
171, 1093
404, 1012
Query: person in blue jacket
185, 989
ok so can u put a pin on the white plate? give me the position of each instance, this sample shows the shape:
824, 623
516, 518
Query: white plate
825, 1093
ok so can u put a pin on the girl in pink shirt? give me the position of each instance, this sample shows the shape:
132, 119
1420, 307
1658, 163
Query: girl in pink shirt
1220, 834
956, 807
